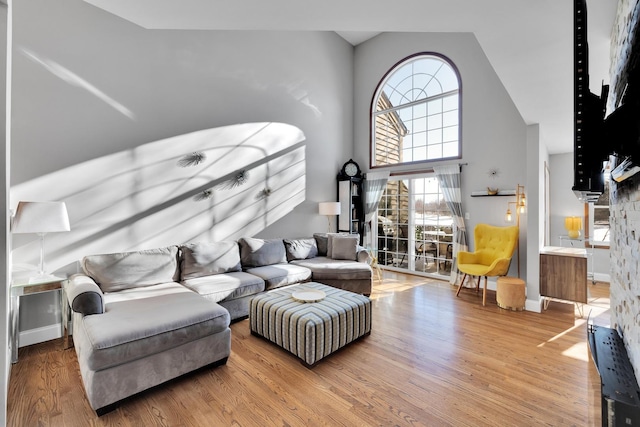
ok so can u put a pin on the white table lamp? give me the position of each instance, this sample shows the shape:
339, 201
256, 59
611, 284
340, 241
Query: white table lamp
329, 209
40, 218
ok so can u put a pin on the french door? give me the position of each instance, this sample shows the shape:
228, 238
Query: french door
415, 227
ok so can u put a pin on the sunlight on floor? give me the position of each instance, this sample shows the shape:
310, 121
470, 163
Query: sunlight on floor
595, 312
399, 282
579, 351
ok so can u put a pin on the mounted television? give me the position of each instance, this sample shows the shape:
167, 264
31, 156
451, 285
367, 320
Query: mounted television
589, 151
609, 124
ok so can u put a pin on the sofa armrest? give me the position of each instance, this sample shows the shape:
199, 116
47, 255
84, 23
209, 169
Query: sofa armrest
363, 255
84, 295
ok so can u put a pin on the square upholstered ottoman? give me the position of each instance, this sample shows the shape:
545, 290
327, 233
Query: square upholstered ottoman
310, 330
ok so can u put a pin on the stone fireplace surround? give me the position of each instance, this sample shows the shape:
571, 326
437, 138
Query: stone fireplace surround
625, 265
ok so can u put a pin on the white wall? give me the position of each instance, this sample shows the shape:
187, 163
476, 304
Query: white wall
565, 203
493, 132
5, 79
96, 96
563, 200
537, 155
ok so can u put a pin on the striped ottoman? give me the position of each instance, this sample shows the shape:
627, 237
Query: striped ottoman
310, 330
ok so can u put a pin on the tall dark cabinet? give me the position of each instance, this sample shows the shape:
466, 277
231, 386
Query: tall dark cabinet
351, 198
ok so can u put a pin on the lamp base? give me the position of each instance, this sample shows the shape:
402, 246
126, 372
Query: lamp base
574, 234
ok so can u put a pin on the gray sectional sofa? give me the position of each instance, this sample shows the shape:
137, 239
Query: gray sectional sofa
142, 318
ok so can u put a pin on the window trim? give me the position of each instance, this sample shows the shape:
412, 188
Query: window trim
588, 241
375, 96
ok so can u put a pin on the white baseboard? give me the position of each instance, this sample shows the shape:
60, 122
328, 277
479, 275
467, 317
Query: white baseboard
534, 305
602, 277
38, 335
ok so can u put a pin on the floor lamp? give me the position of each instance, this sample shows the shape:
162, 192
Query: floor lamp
329, 209
40, 218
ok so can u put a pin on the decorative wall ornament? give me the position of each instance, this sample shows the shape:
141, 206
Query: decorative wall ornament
266, 192
239, 178
192, 159
203, 195
493, 173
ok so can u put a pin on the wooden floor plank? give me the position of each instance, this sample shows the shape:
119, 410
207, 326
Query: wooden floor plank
431, 360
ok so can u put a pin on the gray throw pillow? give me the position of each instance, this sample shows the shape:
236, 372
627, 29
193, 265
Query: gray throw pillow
322, 240
301, 248
208, 258
345, 247
124, 270
331, 236
261, 252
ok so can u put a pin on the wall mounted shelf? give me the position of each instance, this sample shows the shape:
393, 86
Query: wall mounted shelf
486, 193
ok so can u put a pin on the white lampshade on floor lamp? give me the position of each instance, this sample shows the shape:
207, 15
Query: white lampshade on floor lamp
40, 218
329, 209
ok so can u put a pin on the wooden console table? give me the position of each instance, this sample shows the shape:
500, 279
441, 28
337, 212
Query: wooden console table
563, 274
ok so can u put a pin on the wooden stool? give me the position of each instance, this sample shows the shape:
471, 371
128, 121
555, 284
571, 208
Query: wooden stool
510, 293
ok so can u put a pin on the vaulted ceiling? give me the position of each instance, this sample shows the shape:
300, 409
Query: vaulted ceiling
529, 43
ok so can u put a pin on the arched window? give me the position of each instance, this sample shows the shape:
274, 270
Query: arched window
415, 113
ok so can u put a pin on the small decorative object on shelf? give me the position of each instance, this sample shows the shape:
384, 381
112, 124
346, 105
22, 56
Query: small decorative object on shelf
492, 191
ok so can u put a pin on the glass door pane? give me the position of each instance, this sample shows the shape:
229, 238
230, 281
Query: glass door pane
415, 227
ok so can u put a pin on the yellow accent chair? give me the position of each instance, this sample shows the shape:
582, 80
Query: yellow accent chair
492, 257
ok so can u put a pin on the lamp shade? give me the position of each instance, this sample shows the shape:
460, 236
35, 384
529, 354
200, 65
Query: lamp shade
573, 224
329, 208
40, 217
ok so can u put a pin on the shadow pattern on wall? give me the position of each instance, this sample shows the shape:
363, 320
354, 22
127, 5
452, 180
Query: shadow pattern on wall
143, 198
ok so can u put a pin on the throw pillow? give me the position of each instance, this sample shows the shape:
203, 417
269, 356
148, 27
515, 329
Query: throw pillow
345, 247
301, 248
261, 252
208, 258
322, 240
331, 236
124, 270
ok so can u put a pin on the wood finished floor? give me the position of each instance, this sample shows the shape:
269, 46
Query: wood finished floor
431, 360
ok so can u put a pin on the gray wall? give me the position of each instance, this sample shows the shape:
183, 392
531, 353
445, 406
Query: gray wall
4, 217
494, 134
102, 106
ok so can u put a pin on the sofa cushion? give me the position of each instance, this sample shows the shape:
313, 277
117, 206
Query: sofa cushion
139, 322
331, 269
260, 252
331, 236
345, 247
279, 275
301, 248
221, 287
125, 270
322, 240
204, 259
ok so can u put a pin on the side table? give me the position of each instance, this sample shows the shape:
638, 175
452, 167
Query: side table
563, 275
21, 287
